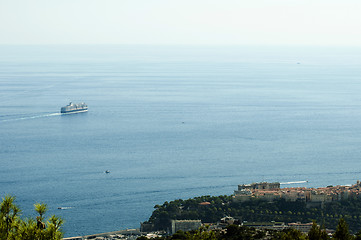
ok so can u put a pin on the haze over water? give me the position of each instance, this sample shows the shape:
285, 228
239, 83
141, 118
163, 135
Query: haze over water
171, 122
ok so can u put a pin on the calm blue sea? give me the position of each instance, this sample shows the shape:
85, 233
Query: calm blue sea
171, 122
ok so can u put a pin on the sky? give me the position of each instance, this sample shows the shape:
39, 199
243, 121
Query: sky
196, 22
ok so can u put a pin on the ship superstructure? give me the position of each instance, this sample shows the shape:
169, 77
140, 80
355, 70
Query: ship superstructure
74, 108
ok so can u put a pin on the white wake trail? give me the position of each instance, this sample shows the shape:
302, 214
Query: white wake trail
31, 117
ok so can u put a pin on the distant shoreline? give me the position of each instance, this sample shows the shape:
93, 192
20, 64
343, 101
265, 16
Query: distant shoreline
135, 231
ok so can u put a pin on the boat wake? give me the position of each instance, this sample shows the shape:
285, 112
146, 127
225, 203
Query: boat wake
295, 182
30, 117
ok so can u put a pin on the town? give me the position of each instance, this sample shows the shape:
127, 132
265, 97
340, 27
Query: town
269, 192
312, 196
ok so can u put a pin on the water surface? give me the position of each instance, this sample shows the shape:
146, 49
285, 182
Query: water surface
171, 122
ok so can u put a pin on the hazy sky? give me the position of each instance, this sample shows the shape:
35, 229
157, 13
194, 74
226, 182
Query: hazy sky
316, 22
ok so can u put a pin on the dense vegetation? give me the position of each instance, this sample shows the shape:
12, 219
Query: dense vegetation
12, 227
235, 232
257, 211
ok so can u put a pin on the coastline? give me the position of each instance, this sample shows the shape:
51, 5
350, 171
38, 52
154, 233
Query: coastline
121, 234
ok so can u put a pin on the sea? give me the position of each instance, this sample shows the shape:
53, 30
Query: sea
171, 122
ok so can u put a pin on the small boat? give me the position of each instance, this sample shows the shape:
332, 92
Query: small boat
107, 171
63, 208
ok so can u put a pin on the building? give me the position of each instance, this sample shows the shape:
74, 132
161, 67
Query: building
312, 196
302, 227
266, 225
260, 186
185, 225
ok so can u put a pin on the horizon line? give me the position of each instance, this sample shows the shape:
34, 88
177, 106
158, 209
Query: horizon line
181, 44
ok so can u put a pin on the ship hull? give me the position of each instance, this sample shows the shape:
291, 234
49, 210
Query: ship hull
73, 111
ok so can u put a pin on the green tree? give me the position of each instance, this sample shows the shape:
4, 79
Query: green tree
289, 234
27, 229
202, 234
179, 235
342, 232
324, 235
235, 232
358, 235
9, 218
53, 230
41, 208
12, 227
316, 233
